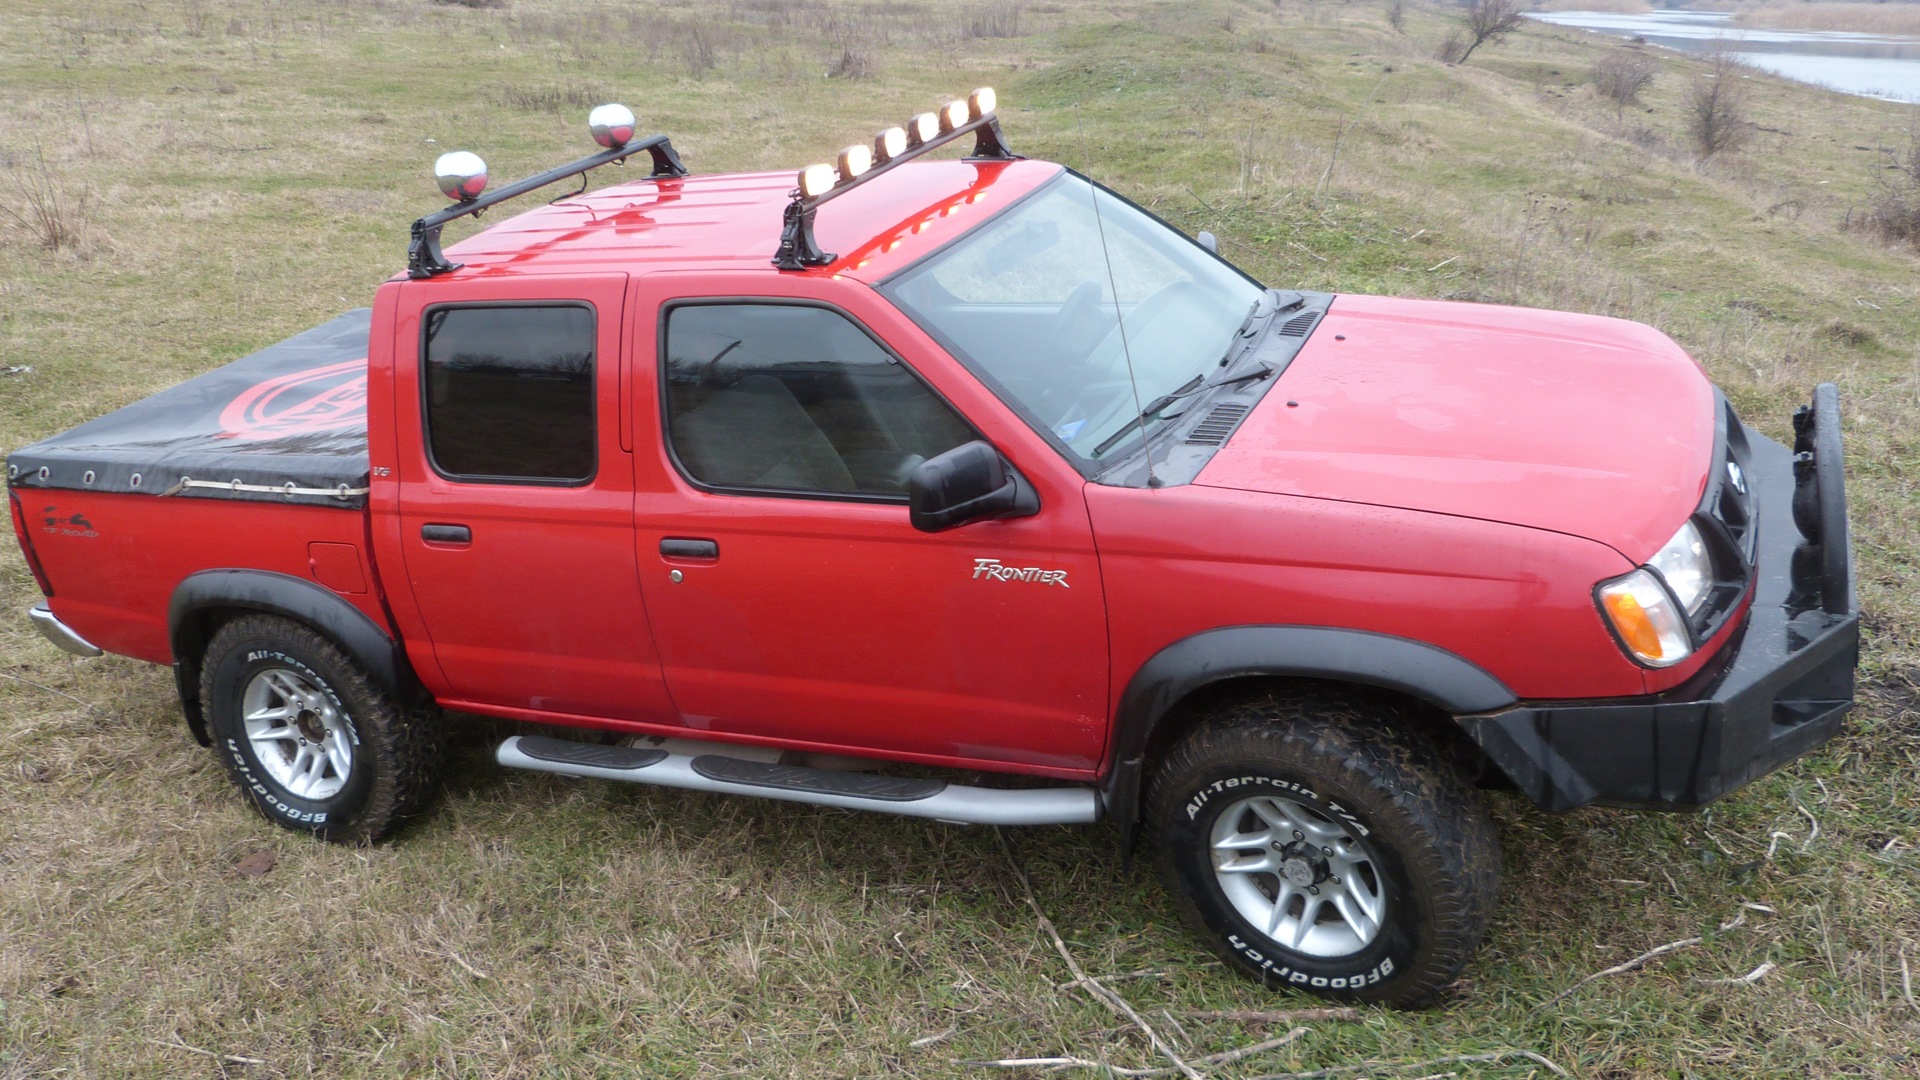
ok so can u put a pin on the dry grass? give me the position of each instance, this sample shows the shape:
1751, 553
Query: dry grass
533, 926
1883, 18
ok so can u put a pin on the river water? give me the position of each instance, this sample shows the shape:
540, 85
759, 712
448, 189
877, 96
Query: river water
1870, 65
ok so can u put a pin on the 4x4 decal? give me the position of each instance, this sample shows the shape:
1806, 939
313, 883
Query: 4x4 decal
994, 570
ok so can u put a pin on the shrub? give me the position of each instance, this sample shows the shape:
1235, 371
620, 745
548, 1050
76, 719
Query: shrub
1716, 106
1619, 76
51, 214
1397, 14
996, 19
1894, 213
1453, 49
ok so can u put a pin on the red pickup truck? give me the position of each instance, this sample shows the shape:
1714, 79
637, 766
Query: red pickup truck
968, 489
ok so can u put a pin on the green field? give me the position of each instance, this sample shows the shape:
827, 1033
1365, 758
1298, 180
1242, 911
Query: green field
226, 175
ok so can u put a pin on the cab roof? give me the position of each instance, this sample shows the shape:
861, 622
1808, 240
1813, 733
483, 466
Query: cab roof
732, 222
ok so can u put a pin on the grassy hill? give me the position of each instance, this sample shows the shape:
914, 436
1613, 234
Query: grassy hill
223, 176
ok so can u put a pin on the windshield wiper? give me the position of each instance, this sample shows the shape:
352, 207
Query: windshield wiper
1191, 387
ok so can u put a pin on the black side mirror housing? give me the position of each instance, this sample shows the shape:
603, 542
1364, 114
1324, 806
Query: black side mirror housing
968, 483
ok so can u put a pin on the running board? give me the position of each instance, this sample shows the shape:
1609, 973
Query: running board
729, 775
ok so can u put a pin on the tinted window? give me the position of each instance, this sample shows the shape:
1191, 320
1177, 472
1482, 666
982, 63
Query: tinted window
509, 392
790, 398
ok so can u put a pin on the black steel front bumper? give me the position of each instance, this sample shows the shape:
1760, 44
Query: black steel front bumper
1777, 689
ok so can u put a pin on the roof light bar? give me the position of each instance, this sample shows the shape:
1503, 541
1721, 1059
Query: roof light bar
856, 165
463, 176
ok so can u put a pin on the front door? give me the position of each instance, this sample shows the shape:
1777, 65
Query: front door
791, 598
516, 498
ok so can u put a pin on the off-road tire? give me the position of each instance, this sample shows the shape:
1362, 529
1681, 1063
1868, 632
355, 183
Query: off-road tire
396, 751
1362, 767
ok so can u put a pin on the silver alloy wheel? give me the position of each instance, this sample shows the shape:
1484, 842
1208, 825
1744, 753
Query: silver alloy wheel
1299, 877
299, 736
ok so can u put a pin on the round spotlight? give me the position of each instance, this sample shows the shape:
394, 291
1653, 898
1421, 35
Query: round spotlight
889, 144
922, 129
981, 102
817, 180
952, 115
854, 160
462, 175
612, 125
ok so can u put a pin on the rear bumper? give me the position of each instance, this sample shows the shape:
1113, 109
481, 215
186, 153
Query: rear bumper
1779, 688
60, 633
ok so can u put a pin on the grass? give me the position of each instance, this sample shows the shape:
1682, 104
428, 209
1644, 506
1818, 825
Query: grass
249, 170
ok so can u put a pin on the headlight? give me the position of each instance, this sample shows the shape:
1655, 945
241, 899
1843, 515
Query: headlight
1645, 618
1687, 568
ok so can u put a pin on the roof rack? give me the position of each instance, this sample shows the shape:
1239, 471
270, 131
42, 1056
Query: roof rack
819, 184
463, 176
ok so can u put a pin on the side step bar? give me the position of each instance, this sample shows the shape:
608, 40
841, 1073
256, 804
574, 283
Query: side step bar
719, 772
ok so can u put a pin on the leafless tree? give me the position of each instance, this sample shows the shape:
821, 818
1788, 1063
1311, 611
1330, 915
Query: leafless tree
1397, 14
1716, 106
1490, 20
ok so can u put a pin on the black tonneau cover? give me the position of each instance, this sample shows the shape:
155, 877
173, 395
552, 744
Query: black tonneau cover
287, 424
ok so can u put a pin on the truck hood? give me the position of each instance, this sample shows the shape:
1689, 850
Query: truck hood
1594, 427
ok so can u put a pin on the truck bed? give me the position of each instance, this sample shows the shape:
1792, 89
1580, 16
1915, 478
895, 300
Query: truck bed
287, 424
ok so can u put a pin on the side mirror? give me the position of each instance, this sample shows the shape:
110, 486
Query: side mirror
1207, 240
967, 483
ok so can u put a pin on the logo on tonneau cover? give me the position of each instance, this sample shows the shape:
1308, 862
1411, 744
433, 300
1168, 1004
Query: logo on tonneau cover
329, 398
994, 570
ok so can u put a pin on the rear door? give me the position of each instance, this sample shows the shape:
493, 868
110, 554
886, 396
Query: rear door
516, 497
792, 599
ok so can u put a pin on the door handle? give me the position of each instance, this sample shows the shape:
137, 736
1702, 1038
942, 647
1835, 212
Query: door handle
680, 547
446, 534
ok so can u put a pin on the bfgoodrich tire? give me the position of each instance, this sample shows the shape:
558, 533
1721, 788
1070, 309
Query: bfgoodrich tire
308, 738
1315, 845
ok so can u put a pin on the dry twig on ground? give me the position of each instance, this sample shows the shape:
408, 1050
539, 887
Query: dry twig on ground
1105, 996
1458, 1059
1619, 969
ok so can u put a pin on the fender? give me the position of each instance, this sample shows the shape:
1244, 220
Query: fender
1415, 668
260, 590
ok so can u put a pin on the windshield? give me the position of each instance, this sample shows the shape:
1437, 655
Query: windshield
1055, 321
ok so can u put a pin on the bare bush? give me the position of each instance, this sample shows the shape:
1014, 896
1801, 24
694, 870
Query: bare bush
853, 40
55, 217
1620, 75
994, 19
1489, 21
1397, 14
1716, 106
1894, 213
564, 99
1453, 49
475, 4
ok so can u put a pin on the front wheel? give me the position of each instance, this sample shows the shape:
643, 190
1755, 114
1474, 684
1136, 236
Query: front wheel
308, 738
1317, 846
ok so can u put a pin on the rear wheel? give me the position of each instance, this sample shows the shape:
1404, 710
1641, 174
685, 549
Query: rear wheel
308, 738
1316, 845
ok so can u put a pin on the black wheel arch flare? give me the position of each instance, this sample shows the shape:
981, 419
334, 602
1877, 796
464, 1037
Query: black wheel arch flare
383, 658
1414, 668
